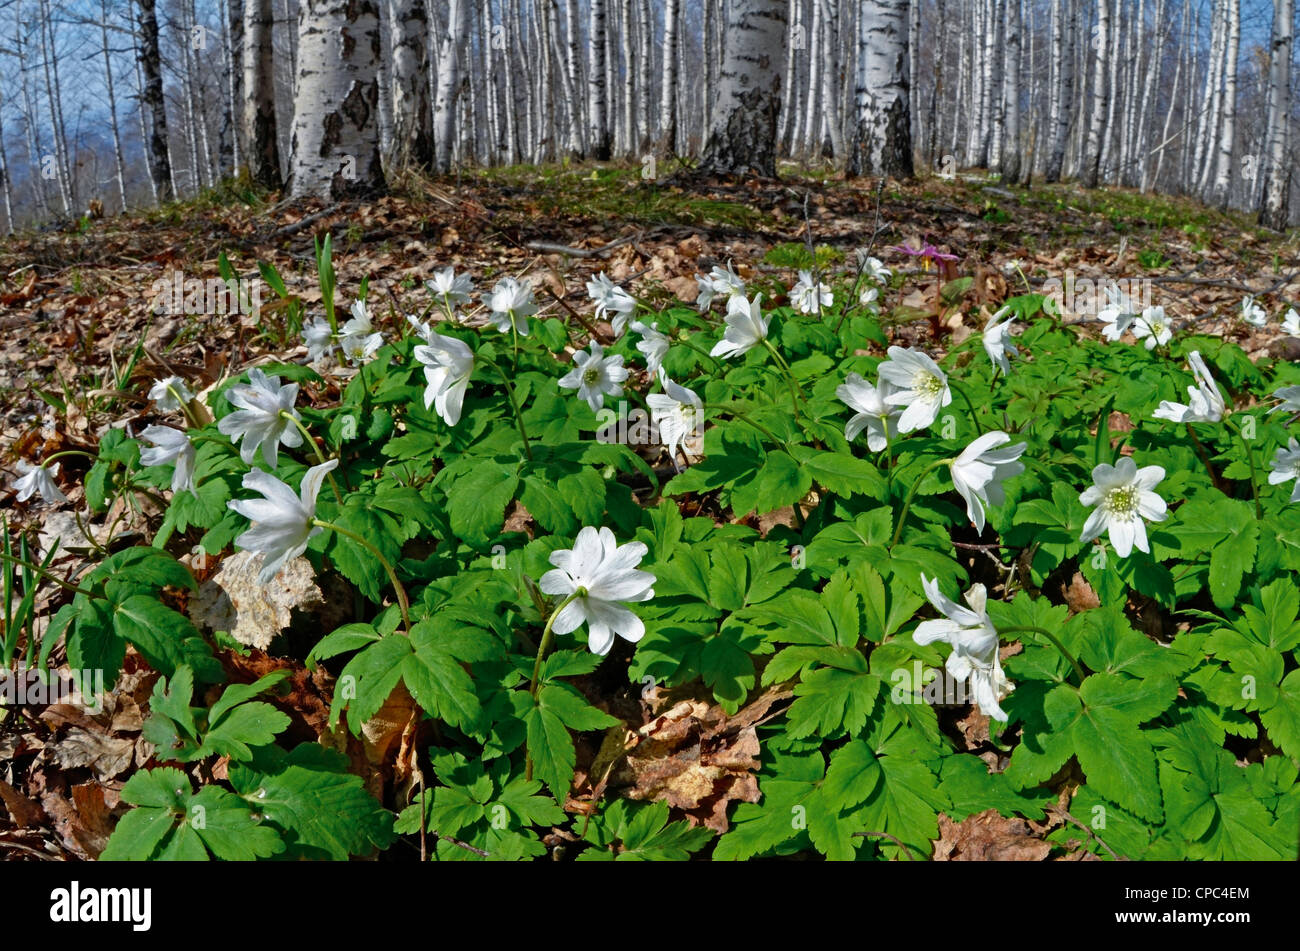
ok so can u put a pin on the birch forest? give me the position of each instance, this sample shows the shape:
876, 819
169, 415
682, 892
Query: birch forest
647, 430
134, 103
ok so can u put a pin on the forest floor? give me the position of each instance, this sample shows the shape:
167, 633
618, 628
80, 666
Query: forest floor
79, 338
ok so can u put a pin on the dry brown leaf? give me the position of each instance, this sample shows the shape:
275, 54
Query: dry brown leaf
697, 759
22, 811
988, 836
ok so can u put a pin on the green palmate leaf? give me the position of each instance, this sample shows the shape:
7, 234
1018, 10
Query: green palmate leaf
557, 709
477, 502
369, 678
642, 833
319, 809
1282, 716
830, 700
1210, 802
1099, 725
842, 473
170, 822
156, 631
779, 482
791, 792
354, 560
726, 663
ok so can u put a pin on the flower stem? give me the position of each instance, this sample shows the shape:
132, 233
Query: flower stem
745, 418
42, 573
548, 636
701, 351
320, 456
542, 648
970, 407
1205, 459
185, 407
1250, 454
67, 452
402, 601
514, 405
1078, 668
795, 392
907, 503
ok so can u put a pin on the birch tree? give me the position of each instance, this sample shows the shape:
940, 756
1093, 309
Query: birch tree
882, 137
412, 116
119, 165
1274, 209
668, 80
335, 142
444, 104
742, 137
1009, 159
260, 136
1228, 127
1097, 110
597, 97
160, 164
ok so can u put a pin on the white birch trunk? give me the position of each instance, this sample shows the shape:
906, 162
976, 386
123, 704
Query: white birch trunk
336, 100
743, 135
450, 45
882, 134
1274, 209
1093, 146
1223, 167
597, 91
260, 133
409, 86
668, 78
1010, 157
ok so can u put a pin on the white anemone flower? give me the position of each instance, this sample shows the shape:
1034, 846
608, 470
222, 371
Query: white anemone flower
868, 296
921, 387
38, 480
282, 522
422, 330
746, 328
873, 267
727, 281
1285, 466
595, 376
450, 288
448, 363
1290, 397
171, 394
170, 445
678, 412
1153, 326
704, 293
810, 296
1206, 404
319, 338
653, 345
980, 470
974, 643
511, 303
261, 417
997, 343
1124, 496
357, 338
601, 576
1252, 313
1291, 322
1118, 315
874, 412
612, 302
